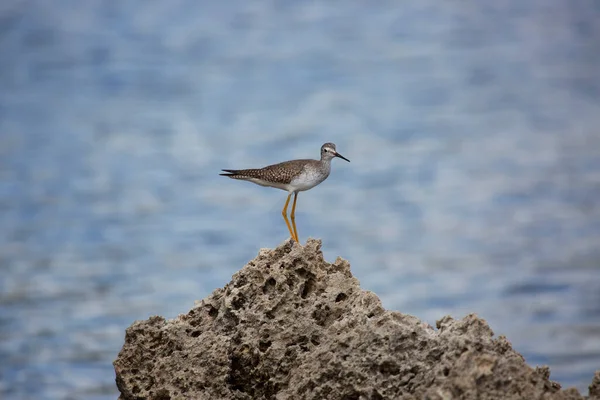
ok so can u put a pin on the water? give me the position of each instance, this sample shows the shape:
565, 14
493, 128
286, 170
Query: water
473, 186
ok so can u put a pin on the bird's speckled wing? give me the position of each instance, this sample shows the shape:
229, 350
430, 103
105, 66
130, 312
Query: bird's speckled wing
277, 173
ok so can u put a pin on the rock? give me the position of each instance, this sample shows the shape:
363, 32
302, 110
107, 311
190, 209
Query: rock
595, 386
290, 325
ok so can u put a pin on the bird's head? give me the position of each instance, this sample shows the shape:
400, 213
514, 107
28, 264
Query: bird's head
328, 152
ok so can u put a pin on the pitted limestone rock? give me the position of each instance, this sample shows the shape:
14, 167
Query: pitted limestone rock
290, 325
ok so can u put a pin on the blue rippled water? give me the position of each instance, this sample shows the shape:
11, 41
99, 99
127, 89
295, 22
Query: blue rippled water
474, 183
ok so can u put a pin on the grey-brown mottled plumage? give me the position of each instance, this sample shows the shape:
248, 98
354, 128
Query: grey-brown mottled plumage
282, 172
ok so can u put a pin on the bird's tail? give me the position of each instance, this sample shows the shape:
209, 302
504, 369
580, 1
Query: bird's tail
229, 172
243, 174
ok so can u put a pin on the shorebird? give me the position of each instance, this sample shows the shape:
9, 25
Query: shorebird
292, 176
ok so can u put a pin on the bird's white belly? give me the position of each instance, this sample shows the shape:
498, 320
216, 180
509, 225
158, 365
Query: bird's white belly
307, 179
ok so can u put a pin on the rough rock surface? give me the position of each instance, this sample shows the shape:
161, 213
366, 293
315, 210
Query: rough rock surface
289, 325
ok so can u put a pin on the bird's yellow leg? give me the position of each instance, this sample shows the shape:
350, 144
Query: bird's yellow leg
293, 217
284, 213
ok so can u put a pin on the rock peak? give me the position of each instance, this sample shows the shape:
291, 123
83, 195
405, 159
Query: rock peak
290, 325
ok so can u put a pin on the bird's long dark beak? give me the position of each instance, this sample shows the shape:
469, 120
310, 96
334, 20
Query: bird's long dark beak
341, 156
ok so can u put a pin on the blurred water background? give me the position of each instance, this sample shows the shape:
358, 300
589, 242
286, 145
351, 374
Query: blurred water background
474, 185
